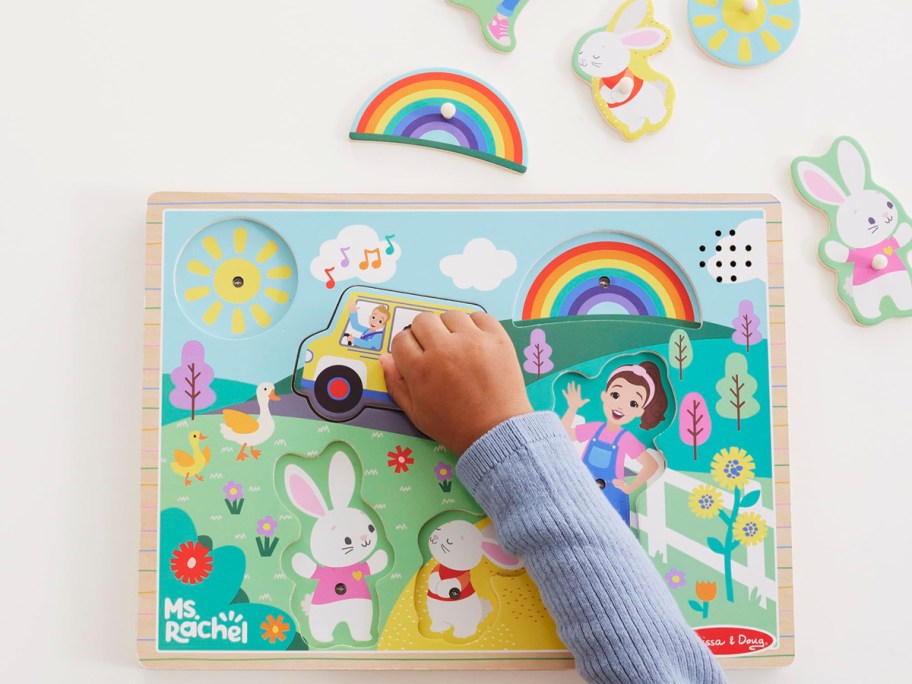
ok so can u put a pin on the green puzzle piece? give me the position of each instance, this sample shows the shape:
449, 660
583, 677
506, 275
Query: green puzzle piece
497, 19
869, 236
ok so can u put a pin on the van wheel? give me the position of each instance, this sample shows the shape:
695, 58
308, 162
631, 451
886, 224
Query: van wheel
338, 390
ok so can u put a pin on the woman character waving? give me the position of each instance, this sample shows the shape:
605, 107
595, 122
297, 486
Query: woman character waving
632, 391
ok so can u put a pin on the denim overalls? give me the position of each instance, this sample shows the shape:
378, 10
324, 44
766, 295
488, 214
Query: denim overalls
601, 459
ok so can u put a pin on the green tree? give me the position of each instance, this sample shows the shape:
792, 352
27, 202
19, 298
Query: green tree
680, 351
736, 391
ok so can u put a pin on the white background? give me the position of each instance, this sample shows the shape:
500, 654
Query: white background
103, 102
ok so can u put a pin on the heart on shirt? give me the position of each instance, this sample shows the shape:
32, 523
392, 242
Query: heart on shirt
888, 251
357, 574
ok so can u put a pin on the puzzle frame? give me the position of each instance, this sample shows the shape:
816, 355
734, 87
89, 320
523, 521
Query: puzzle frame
153, 463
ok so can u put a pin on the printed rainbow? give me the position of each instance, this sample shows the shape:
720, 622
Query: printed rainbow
407, 110
641, 282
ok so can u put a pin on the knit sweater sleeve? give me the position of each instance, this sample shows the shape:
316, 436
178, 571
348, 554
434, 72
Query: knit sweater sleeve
611, 607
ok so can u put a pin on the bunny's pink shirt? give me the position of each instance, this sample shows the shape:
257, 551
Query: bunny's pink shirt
340, 584
862, 258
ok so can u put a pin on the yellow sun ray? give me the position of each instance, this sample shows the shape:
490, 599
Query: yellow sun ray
782, 22
240, 240
744, 50
708, 3
211, 245
718, 40
704, 20
770, 41
212, 313
779, 3
275, 295
279, 272
199, 268
237, 322
194, 294
266, 253
260, 315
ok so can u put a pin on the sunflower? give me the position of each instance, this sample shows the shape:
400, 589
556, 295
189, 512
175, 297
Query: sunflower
191, 562
274, 628
732, 468
705, 501
750, 529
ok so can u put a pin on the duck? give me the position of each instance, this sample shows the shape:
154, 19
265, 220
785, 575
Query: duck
191, 464
240, 428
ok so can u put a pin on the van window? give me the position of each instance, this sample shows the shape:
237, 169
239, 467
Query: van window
402, 317
366, 326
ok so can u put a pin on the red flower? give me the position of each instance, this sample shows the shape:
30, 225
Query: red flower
400, 459
191, 562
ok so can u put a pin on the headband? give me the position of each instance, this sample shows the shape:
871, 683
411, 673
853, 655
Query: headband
639, 371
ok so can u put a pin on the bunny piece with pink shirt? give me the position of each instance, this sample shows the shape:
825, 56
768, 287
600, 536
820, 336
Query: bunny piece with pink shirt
869, 235
630, 95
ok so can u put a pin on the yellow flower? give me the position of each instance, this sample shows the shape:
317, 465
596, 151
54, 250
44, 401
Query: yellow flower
750, 529
705, 501
706, 591
732, 468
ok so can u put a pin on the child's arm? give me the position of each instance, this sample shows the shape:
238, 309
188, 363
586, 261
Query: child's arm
458, 379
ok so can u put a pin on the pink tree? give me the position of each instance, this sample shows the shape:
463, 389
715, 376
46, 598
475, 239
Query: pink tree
538, 354
695, 424
192, 380
746, 325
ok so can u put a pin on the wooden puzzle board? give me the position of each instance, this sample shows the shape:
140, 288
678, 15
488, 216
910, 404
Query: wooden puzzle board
160, 285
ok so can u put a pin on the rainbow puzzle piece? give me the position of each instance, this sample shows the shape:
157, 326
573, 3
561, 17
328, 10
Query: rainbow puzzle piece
445, 110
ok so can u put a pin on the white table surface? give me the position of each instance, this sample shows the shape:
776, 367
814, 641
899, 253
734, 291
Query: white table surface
104, 101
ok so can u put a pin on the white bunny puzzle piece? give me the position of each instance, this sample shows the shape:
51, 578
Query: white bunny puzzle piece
869, 237
630, 95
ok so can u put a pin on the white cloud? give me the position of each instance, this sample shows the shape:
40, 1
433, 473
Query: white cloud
353, 247
746, 249
481, 266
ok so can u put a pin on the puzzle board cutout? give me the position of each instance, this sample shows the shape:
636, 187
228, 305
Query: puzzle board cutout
265, 415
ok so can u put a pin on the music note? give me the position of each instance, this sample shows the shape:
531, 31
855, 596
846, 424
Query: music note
331, 283
373, 264
345, 261
389, 241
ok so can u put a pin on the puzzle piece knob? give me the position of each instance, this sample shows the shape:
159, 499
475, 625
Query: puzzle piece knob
751, 6
447, 110
879, 262
625, 85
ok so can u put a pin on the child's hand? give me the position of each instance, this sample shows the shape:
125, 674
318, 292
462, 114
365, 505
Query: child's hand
574, 396
353, 306
623, 485
455, 376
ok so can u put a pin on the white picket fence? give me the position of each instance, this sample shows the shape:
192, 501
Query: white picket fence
661, 532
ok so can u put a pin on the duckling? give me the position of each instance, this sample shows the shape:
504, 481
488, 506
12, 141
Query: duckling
191, 464
247, 430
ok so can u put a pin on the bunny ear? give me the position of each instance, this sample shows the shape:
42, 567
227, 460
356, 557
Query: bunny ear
818, 184
341, 480
632, 16
304, 493
494, 551
644, 39
852, 166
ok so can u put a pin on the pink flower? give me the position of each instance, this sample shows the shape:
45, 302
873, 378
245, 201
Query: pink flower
233, 491
675, 578
443, 471
267, 526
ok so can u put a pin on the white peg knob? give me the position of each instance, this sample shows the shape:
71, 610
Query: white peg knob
625, 85
447, 110
751, 6
879, 262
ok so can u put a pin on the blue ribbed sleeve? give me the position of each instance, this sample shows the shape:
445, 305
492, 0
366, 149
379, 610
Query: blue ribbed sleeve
611, 607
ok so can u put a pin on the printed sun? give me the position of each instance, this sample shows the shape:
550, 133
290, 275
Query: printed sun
241, 284
755, 31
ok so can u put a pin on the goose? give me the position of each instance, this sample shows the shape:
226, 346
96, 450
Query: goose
240, 428
193, 463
